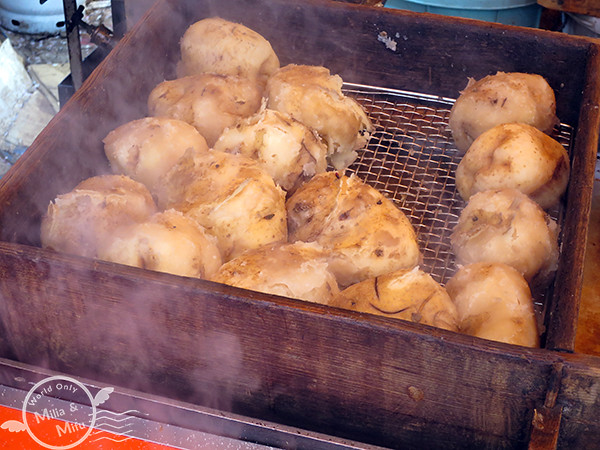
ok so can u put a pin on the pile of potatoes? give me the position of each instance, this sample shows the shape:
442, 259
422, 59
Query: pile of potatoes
237, 176
227, 179
510, 173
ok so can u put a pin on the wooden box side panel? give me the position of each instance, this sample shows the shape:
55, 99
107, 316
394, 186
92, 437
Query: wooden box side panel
578, 399
70, 148
564, 306
363, 378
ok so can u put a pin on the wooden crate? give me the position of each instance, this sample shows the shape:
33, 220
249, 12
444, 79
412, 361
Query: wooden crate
366, 378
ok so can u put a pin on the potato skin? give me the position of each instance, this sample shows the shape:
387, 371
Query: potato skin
209, 102
83, 220
145, 149
311, 95
411, 295
167, 242
215, 45
289, 151
365, 234
297, 270
506, 97
506, 226
494, 302
518, 156
231, 196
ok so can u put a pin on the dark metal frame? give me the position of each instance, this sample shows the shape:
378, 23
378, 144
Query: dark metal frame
80, 69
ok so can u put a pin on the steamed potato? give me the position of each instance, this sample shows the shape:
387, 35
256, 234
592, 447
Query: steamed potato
506, 226
298, 270
145, 149
288, 150
167, 242
494, 302
209, 102
502, 98
311, 95
364, 233
84, 220
518, 156
216, 45
408, 294
231, 196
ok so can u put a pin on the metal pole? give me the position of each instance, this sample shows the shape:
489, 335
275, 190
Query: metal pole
119, 18
73, 43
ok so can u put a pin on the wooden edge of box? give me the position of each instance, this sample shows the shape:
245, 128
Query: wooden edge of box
338, 372
565, 301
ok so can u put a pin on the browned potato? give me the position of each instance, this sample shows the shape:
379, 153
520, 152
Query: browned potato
85, 219
494, 302
216, 45
411, 295
231, 196
311, 95
168, 242
519, 156
297, 270
506, 226
145, 149
209, 102
502, 98
288, 150
364, 233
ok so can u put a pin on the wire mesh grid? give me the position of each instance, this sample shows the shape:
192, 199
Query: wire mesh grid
411, 158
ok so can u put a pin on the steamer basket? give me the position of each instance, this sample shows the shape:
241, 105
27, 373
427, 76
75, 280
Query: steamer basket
367, 378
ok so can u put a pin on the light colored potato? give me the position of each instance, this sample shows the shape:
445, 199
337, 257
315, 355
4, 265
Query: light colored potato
145, 149
168, 242
411, 295
288, 150
215, 45
297, 270
364, 233
311, 95
209, 102
83, 220
505, 97
231, 196
506, 226
494, 302
518, 156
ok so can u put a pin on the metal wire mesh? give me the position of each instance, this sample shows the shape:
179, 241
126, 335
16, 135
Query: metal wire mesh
411, 158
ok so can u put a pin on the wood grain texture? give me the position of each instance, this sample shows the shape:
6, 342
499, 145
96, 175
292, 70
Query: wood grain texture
578, 398
278, 359
587, 7
565, 302
588, 325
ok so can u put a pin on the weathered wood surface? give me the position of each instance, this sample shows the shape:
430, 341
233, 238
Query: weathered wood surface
565, 302
360, 377
588, 323
356, 376
587, 7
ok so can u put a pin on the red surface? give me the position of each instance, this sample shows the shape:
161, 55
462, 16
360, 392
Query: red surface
57, 433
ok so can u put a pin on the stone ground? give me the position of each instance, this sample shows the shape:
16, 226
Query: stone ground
31, 68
